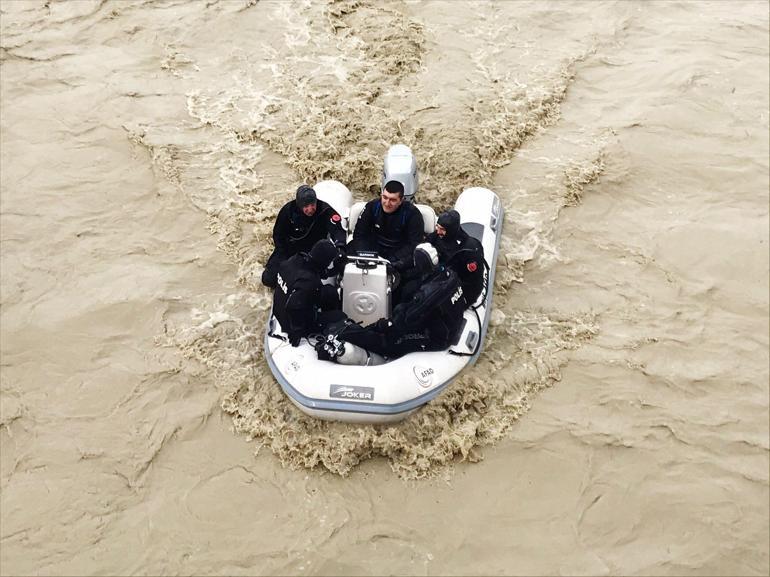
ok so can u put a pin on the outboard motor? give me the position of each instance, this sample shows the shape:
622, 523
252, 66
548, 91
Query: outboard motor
401, 165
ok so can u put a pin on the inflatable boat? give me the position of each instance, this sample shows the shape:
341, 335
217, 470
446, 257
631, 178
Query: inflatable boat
375, 390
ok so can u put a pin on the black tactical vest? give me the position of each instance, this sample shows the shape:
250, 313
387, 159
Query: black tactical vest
388, 228
438, 306
296, 294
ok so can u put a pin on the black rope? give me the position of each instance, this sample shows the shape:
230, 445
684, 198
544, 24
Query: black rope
277, 336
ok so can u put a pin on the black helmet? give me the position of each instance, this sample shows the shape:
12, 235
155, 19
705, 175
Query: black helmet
425, 258
450, 221
323, 253
305, 196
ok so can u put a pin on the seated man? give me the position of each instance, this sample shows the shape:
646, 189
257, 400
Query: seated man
300, 224
390, 227
301, 301
460, 251
430, 321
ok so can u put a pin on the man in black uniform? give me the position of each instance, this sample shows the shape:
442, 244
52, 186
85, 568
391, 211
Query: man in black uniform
461, 252
300, 301
431, 320
300, 224
390, 227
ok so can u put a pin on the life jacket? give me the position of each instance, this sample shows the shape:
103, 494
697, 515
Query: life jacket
305, 231
388, 228
438, 306
301, 225
465, 255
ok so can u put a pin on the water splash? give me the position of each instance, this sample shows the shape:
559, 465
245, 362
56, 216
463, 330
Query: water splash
338, 126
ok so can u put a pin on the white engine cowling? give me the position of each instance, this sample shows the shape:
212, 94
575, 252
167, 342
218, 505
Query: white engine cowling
401, 165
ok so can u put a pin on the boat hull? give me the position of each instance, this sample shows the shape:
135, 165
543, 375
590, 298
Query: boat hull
392, 391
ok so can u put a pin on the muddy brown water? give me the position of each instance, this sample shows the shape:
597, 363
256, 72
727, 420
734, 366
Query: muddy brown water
617, 420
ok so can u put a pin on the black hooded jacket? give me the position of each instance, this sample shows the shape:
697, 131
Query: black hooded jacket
465, 255
294, 232
437, 306
297, 296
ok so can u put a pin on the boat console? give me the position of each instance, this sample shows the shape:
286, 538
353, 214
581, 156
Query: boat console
367, 288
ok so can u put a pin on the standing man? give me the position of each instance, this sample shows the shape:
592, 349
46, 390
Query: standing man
390, 227
300, 224
461, 252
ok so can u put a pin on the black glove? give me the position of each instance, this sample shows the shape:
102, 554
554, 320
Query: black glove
381, 325
326, 273
338, 264
400, 264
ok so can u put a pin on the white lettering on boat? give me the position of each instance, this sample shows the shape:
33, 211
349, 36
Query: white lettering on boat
348, 392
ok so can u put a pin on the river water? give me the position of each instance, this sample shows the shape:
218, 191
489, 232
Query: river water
617, 421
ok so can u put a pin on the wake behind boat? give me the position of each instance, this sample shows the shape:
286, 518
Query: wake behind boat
376, 390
